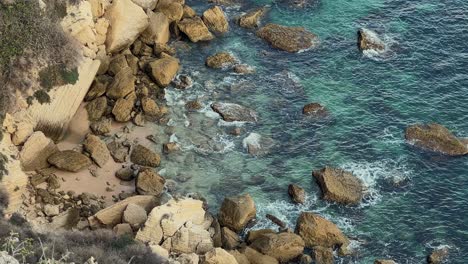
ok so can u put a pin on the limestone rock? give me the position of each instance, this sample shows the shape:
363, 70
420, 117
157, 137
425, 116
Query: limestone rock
216, 20
323, 255
134, 215
339, 186
146, 4
164, 70
233, 112
230, 239
96, 108
195, 29
158, 29
123, 229
290, 39
158, 250
150, 107
318, 231
283, 246
241, 258
192, 238
123, 108
188, 258
7, 259
123, 84
297, 193
125, 174
145, 157
237, 211
368, 40
254, 234
118, 151
252, 18
69, 160
127, 21
437, 138
171, 9
219, 256
51, 210
189, 12
149, 182
97, 149
99, 87
101, 127
36, 150
438, 256
256, 257
22, 133
117, 63
220, 60
170, 147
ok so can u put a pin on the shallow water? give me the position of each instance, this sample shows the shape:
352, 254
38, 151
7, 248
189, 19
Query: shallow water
415, 200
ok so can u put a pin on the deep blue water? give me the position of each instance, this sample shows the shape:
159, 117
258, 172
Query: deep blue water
416, 200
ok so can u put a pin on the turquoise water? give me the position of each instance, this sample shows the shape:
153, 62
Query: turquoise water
416, 200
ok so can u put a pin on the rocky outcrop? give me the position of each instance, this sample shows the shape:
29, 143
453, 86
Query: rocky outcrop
339, 186
283, 246
368, 40
290, 39
135, 215
122, 85
127, 21
191, 239
195, 29
252, 18
146, 4
150, 107
257, 144
315, 110
143, 156
172, 9
220, 60
69, 160
296, 193
229, 238
164, 70
36, 150
158, 29
233, 112
97, 149
318, 231
216, 20
219, 256
149, 182
323, 255
437, 138
237, 211
256, 257
438, 256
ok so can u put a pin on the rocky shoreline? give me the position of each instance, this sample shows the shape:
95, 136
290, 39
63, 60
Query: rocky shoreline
131, 40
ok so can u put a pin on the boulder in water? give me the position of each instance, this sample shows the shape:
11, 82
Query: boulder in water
252, 18
339, 186
315, 110
368, 40
148, 182
283, 246
257, 144
290, 39
195, 29
436, 138
216, 20
296, 193
438, 256
233, 112
220, 60
143, 156
164, 70
237, 211
69, 160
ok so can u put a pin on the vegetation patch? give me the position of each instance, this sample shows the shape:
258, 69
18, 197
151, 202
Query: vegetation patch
57, 75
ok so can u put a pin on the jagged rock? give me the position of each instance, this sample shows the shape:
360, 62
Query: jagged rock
368, 40
123, 229
192, 238
252, 18
195, 29
254, 234
172, 9
305, 259
240, 258
51, 210
188, 258
150, 107
384, 261
127, 21
145, 157
164, 70
36, 150
183, 82
7, 259
290, 39
220, 60
97, 149
219, 256
314, 109
283, 246
233, 112
125, 174
123, 84
146, 4
438, 256
117, 64
123, 109
160, 48
189, 12
69, 160
170, 147
101, 127
297, 193
318, 231
257, 144
256, 257
118, 151
237, 211
323, 255
339, 186
22, 132
158, 29
229, 238
437, 138
66, 220
149, 182
96, 108
216, 20
99, 87
175, 215
134, 215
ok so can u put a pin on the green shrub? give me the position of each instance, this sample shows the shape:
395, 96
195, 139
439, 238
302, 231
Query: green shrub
57, 75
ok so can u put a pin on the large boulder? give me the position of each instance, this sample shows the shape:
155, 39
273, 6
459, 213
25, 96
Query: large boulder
173, 10
323, 255
437, 138
143, 156
233, 112
191, 239
283, 246
296, 193
123, 108
165, 220
256, 257
216, 20
195, 29
237, 211
69, 160
134, 215
290, 39
252, 18
318, 231
158, 29
127, 21
150, 107
146, 4
164, 70
122, 85
368, 40
219, 256
229, 238
220, 60
96, 108
339, 186
97, 149
149, 182
35, 151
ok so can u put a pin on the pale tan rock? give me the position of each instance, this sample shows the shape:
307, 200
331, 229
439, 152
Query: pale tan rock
252, 18
192, 239
146, 4
69, 160
172, 9
195, 29
283, 246
241, 258
216, 20
150, 107
256, 257
219, 256
102, 25
189, 12
237, 211
134, 214
191, 258
127, 21
158, 250
123, 108
98, 7
123, 229
158, 29
22, 133
164, 70
122, 85
36, 150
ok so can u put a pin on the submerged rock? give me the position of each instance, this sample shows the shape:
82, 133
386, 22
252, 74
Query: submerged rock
69, 160
148, 182
233, 112
237, 211
195, 29
314, 109
283, 246
257, 144
384, 261
290, 39
339, 186
143, 156
368, 40
220, 60
216, 20
438, 256
252, 18
297, 193
436, 138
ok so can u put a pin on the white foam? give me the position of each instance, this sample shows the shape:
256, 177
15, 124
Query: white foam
252, 139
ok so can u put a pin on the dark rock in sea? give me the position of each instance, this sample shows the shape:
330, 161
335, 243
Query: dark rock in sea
339, 186
193, 105
233, 112
436, 138
290, 39
438, 256
183, 82
276, 221
368, 40
221, 60
252, 18
282, 246
323, 255
216, 20
69, 160
296, 193
148, 182
143, 156
315, 110
170, 147
237, 211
